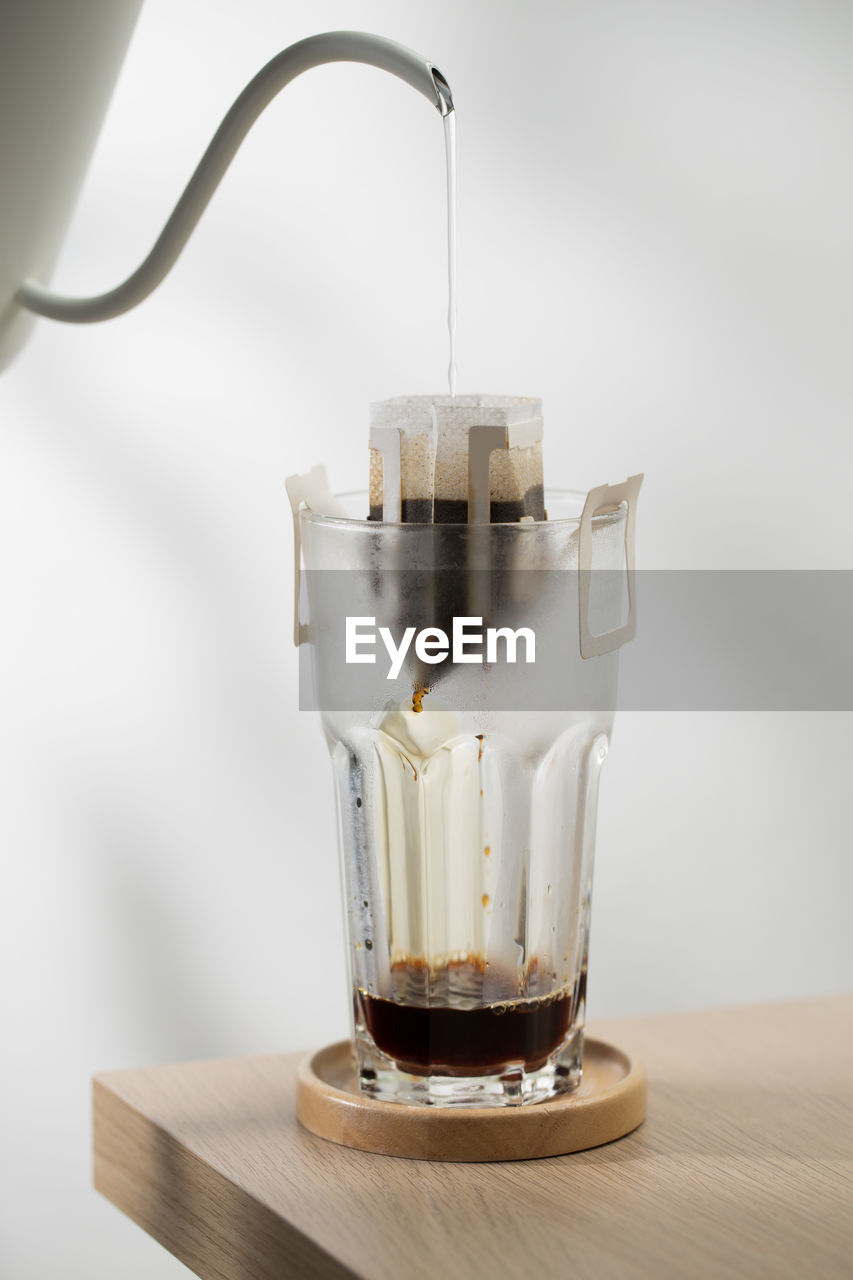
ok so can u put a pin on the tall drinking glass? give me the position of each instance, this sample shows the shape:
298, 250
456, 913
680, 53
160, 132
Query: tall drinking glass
466, 797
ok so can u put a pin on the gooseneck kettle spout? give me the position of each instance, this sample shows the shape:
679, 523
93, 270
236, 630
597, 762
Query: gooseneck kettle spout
333, 46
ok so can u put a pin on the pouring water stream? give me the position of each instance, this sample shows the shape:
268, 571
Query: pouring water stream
449, 122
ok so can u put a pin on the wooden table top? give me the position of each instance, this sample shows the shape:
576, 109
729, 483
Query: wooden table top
744, 1167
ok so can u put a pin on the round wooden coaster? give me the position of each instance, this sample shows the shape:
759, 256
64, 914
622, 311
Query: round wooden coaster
610, 1102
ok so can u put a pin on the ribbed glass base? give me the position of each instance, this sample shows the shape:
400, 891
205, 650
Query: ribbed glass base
381, 1077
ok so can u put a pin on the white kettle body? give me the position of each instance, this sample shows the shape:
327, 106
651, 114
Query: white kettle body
59, 63
58, 66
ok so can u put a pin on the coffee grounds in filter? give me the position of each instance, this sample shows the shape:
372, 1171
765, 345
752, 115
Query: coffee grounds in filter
425, 452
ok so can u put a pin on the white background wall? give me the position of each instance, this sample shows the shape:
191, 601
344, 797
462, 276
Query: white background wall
655, 209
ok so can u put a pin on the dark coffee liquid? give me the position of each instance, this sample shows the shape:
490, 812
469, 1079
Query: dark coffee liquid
455, 511
448, 1040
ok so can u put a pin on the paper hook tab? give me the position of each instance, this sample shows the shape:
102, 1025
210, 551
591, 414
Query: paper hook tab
606, 497
312, 491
